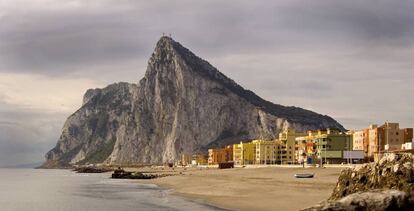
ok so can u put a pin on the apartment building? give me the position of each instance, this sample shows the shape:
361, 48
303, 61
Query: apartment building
288, 145
360, 141
222, 155
326, 145
267, 152
244, 153
387, 137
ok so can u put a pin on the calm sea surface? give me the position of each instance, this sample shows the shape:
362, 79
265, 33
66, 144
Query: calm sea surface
32, 189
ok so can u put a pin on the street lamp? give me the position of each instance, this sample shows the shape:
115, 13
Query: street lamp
387, 128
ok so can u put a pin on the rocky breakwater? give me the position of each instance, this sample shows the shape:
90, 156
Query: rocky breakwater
384, 185
92, 169
122, 174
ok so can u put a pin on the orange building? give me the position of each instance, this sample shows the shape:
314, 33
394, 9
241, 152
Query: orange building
361, 140
216, 156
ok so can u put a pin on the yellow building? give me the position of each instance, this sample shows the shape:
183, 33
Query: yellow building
216, 156
244, 153
267, 152
288, 146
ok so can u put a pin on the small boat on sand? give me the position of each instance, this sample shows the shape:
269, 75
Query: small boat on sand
304, 175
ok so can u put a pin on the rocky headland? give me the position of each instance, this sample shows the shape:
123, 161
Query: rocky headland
183, 105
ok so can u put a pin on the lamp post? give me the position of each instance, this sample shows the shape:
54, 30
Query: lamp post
281, 152
320, 153
326, 146
265, 158
387, 128
349, 150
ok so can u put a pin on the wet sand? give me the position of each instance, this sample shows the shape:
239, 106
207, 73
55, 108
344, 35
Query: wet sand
263, 188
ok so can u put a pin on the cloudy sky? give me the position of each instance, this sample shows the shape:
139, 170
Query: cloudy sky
352, 60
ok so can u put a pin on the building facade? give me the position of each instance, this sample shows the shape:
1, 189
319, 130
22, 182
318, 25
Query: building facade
199, 159
393, 135
244, 153
408, 135
323, 146
288, 145
305, 147
267, 152
387, 137
375, 143
360, 141
331, 144
186, 159
216, 156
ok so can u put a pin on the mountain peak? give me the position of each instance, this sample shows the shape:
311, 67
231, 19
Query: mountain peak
167, 46
167, 49
164, 51
164, 42
165, 39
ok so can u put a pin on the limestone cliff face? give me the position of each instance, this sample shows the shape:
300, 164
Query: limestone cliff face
182, 105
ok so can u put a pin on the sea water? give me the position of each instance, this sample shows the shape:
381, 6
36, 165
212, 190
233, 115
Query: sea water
40, 189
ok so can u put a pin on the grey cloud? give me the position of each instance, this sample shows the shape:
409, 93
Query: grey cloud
293, 88
117, 32
54, 42
364, 21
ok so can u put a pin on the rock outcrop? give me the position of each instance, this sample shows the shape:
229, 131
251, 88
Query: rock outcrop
182, 105
393, 171
384, 185
374, 200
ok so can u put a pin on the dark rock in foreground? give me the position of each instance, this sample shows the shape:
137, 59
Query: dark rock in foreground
88, 169
121, 174
370, 200
384, 185
394, 171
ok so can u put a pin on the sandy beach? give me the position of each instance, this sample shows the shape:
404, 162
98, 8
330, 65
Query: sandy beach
256, 188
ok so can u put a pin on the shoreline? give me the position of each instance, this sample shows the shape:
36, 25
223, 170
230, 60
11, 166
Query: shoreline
260, 188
